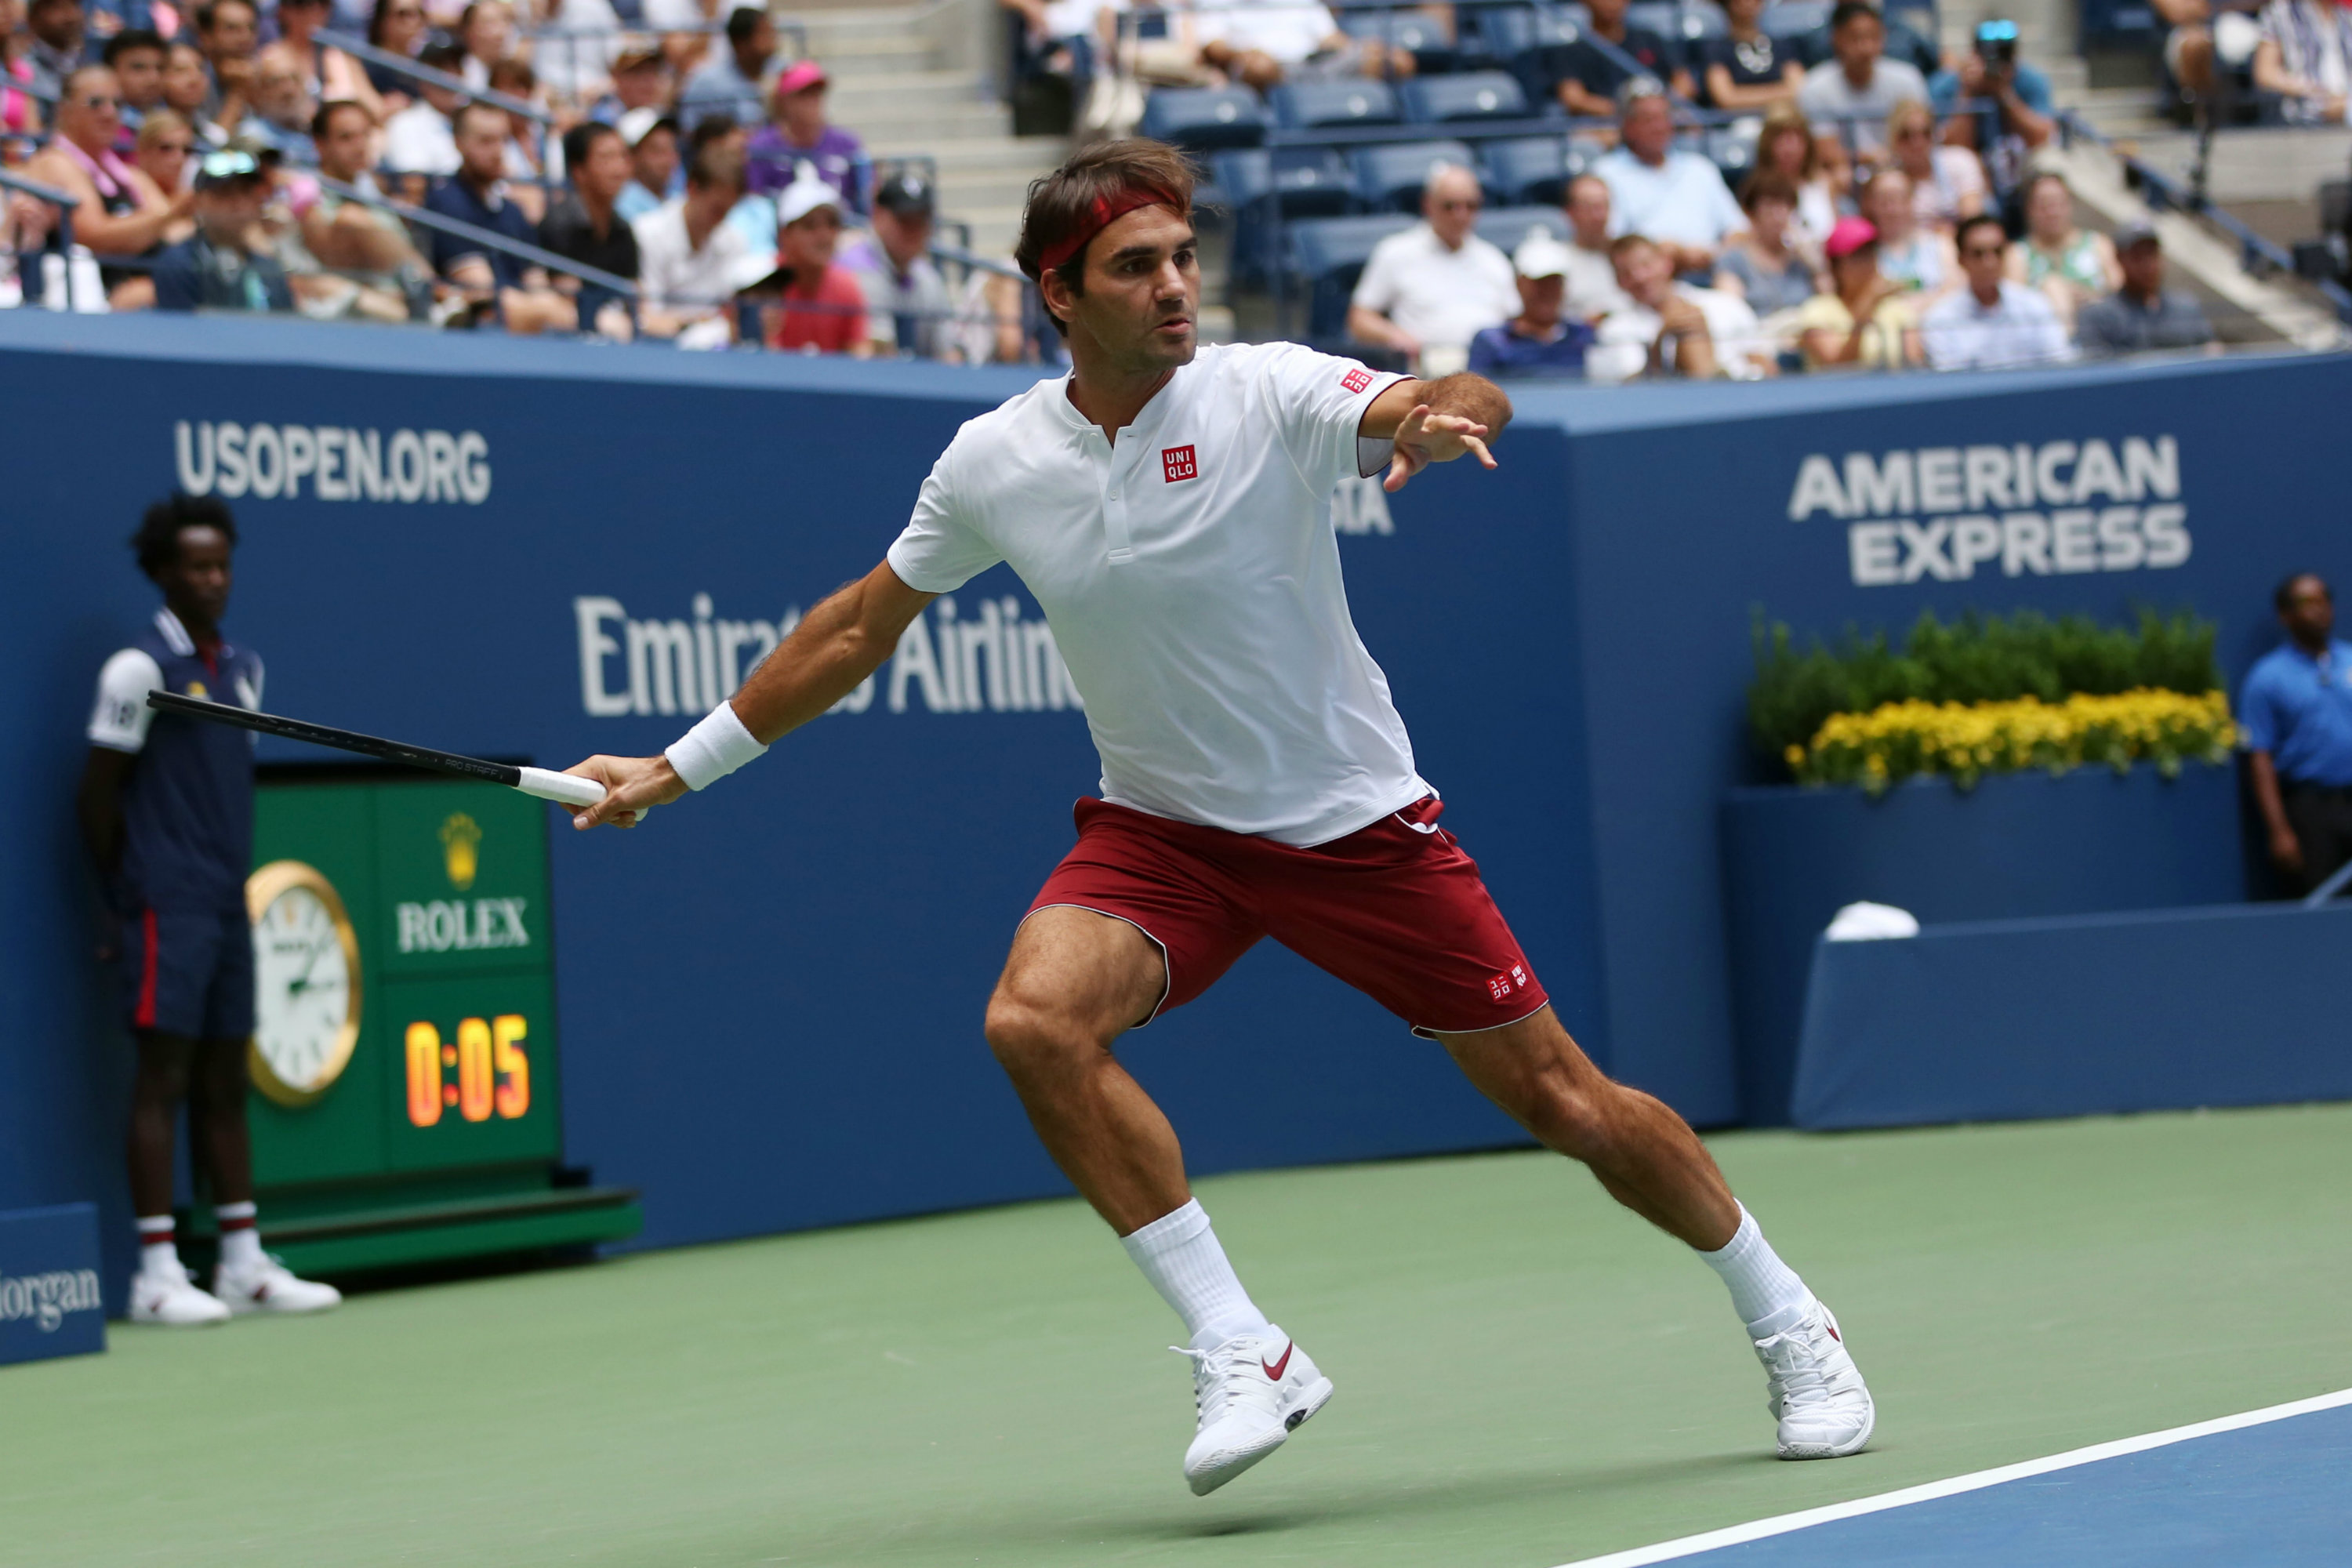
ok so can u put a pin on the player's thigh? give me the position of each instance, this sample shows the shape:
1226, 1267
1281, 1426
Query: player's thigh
1075, 974
1535, 1071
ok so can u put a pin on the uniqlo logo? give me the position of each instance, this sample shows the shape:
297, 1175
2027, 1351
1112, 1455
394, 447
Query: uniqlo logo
1357, 379
1519, 975
1499, 987
1180, 463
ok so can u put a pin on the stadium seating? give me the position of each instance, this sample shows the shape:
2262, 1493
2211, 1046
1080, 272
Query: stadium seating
1524, 170
1790, 21
1327, 254
1388, 177
1424, 38
1471, 95
1321, 105
1506, 227
1205, 118
1293, 181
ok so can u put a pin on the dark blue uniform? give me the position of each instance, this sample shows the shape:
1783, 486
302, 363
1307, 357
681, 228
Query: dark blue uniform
187, 844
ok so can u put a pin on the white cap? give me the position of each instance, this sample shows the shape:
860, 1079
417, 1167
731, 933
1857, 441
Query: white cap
633, 125
1540, 256
804, 195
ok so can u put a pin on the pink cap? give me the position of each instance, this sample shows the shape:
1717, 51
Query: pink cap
799, 77
1850, 235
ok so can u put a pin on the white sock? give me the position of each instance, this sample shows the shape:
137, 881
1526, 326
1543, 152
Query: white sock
240, 1234
1179, 1254
1763, 1289
158, 1254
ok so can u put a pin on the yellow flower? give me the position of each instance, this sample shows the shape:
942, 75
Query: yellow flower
1963, 739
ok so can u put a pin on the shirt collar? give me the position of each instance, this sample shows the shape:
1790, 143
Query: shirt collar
176, 635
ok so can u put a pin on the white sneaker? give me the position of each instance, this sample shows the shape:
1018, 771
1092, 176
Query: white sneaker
1815, 1392
173, 1299
269, 1287
1250, 1394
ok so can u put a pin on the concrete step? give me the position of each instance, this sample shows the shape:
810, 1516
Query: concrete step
903, 94
1026, 157
864, 58
940, 127
2255, 162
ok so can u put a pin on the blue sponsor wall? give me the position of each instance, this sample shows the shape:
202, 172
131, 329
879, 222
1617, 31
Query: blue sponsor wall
771, 995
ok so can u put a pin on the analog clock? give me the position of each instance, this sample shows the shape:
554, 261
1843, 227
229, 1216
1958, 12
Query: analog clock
306, 962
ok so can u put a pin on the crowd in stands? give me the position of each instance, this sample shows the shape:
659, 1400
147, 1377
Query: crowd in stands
228, 157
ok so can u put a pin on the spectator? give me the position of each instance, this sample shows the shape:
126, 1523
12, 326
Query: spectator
420, 140
1673, 328
59, 39
690, 259
122, 213
587, 227
2197, 36
2141, 314
282, 107
822, 310
1592, 291
496, 281
215, 268
135, 55
2305, 57
528, 173
1948, 184
20, 111
1852, 91
1995, 322
1676, 200
229, 32
166, 145
1538, 341
1065, 37
1260, 43
797, 132
368, 248
1787, 145
908, 305
754, 212
398, 27
641, 79
574, 49
651, 137
1747, 69
486, 31
2025, 110
2294, 713
730, 80
1919, 259
325, 73
2072, 265
1426, 292
1762, 266
1590, 81
1864, 319
187, 89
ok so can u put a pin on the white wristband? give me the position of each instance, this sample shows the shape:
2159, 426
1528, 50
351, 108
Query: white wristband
713, 749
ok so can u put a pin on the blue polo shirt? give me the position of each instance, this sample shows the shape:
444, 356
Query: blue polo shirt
453, 198
2299, 710
1505, 350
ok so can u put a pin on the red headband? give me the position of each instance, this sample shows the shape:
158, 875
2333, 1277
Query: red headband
1108, 210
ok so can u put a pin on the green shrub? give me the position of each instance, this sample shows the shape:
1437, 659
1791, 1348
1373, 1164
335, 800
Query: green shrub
1975, 659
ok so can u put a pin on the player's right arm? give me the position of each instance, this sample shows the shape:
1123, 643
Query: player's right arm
117, 732
837, 645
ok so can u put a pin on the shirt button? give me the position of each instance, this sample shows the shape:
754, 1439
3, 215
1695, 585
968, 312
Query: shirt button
1113, 495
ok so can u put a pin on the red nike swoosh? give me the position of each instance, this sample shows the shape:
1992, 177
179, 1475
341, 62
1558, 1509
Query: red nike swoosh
1273, 1374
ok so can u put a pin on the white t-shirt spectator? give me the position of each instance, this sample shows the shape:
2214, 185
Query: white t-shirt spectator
673, 275
1622, 350
418, 140
2314, 42
1961, 333
1286, 31
1827, 95
1683, 199
1592, 285
1443, 297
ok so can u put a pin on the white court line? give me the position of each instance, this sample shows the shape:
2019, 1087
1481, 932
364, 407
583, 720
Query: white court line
1758, 1529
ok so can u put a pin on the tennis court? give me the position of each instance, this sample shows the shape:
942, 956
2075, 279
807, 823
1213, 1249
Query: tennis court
1526, 1377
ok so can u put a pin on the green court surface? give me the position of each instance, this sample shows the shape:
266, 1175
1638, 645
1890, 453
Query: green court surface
1526, 1377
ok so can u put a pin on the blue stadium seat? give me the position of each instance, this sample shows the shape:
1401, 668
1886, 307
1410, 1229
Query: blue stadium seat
1732, 150
1531, 43
1295, 182
1525, 170
1919, 16
1314, 105
1505, 228
1327, 254
1432, 53
1389, 178
1787, 21
1204, 119
1473, 95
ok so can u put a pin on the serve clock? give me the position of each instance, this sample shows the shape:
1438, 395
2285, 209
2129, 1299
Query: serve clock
306, 963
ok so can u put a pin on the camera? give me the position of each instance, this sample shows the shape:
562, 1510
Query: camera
1997, 42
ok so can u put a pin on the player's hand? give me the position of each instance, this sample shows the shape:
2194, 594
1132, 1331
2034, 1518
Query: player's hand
633, 786
1423, 438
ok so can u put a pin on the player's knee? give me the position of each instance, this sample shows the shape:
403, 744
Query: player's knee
1029, 1039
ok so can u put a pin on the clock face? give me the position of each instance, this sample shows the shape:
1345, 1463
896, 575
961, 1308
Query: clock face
306, 982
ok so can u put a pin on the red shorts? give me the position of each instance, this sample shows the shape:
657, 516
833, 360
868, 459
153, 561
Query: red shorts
1396, 909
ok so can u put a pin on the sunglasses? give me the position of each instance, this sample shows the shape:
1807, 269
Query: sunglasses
1458, 207
99, 102
182, 148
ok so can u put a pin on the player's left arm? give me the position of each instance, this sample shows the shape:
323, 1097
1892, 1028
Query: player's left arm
1435, 421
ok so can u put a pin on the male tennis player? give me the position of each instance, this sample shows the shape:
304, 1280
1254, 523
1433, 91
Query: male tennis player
1168, 506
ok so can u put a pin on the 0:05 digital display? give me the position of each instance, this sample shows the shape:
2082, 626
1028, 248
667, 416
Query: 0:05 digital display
493, 1072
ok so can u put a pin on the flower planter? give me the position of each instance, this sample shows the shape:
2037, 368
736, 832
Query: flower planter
2017, 844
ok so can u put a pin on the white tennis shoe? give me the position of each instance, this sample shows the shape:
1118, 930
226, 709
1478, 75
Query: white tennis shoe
269, 1286
172, 1299
1815, 1391
1249, 1395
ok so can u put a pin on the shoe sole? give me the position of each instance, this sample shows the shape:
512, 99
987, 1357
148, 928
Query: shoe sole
149, 1320
1317, 1395
1853, 1444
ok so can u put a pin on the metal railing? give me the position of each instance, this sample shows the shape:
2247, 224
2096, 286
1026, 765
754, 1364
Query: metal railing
488, 238
65, 202
394, 61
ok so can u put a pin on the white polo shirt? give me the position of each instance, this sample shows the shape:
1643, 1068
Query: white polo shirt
1191, 578
1683, 199
1442, 296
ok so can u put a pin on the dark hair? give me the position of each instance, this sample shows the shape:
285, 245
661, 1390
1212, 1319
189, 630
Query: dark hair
157, 542
208, 14
1847, 10
580, 139
707, 130
458, 118
743, 22
1623, 243
378, 15
514, 77
130, 39
1960, 234
716, 164
1767, 185
324, 120
444, 57
1062, 204
2284, 597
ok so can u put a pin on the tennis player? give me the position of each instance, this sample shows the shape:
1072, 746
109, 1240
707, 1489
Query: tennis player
1167, 504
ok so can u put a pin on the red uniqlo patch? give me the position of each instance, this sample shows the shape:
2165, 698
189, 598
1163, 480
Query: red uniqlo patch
1357, 379
1180, 463
1499, 987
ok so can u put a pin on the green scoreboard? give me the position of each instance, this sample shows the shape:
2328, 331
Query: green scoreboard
406, 1077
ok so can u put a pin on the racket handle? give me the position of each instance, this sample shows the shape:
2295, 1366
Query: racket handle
570, 789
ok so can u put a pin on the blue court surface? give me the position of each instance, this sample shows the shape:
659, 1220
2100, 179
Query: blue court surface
2272, 1488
